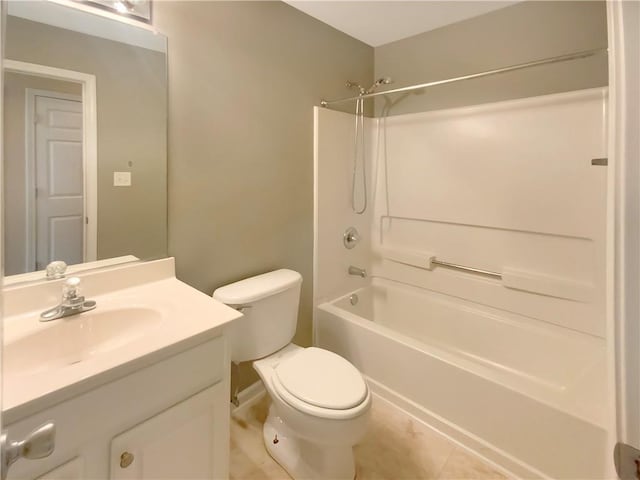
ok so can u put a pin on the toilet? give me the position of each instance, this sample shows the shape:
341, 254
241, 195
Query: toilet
320, 403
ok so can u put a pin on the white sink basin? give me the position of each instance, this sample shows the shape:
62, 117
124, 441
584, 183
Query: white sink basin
71, 340
143, 315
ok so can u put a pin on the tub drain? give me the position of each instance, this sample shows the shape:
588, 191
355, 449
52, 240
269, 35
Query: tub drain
353, 299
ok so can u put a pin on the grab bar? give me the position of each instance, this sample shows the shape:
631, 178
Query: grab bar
466, 269
514, 278
427, 260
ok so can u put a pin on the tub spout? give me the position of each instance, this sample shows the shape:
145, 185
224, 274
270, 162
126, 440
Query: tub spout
359, 272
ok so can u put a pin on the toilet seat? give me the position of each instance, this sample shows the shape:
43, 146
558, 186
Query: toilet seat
322, 384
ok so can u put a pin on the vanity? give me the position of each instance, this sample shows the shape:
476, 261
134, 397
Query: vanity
138, 387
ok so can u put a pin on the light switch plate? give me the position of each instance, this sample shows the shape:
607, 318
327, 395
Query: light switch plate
121, 179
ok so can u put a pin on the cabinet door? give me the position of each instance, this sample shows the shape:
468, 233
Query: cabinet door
72, 470
180, 443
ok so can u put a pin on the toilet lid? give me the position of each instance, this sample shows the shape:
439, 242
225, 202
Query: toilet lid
323, 379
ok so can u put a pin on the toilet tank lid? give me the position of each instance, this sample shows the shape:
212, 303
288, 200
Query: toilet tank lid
258, 287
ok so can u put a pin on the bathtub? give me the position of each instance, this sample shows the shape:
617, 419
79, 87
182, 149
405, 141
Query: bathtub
526, 395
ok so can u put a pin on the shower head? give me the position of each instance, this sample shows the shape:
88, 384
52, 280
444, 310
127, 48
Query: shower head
377, 83
360, 88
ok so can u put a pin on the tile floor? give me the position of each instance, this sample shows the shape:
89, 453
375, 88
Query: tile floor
396, 448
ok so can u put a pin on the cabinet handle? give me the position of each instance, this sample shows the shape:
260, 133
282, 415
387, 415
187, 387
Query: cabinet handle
126, 459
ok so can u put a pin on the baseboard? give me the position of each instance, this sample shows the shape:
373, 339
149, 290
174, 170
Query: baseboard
498, 459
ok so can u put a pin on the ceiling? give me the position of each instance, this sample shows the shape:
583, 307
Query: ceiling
379, 22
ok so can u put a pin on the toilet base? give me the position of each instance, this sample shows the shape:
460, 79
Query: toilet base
303, 459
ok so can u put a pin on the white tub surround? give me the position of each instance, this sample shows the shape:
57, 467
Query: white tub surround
507, 355
509, 188
334, 140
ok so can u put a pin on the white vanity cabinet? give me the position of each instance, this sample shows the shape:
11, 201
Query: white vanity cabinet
167, 420
71, 470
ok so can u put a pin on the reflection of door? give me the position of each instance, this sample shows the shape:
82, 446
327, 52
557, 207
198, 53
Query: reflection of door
59, 180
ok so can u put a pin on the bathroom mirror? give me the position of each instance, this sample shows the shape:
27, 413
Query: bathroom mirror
85, 124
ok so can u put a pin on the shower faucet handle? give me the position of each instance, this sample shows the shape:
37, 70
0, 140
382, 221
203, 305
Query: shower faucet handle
350, 238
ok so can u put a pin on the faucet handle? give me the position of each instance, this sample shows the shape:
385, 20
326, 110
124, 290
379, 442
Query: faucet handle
56, 269
71, 289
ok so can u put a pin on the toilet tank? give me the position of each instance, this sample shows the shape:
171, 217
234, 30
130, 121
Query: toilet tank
269, 303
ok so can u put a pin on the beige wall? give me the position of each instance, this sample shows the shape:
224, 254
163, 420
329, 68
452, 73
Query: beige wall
15, 216
520, 33
131, 87
243, 78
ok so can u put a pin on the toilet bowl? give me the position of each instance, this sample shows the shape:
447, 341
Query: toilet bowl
320, 403
313, 424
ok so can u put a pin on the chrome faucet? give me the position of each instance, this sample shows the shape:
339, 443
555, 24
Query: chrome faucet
72, 302
358, 272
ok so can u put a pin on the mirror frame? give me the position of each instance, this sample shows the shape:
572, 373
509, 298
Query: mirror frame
89, 151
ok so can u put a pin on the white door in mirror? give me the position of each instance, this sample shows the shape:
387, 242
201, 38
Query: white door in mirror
59, 205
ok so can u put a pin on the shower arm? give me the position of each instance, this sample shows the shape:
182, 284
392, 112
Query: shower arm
512, 68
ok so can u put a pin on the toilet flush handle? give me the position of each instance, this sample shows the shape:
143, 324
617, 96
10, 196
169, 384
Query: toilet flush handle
242, 308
